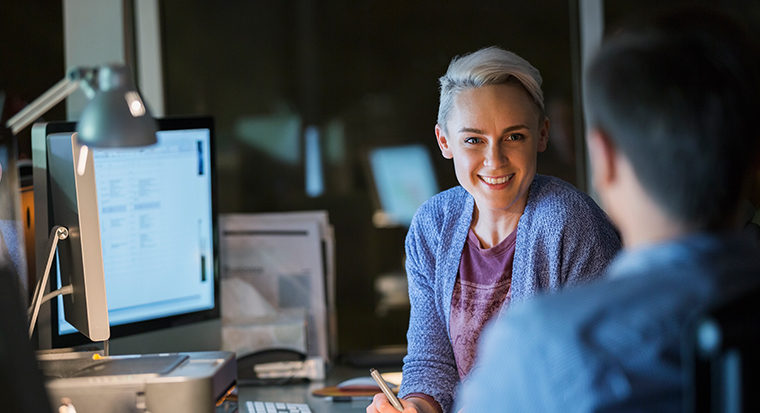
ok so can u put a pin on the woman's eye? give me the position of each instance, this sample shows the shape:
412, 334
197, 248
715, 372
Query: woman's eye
515, 137
472, 139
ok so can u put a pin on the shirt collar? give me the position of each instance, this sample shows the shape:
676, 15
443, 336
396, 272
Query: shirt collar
684, 250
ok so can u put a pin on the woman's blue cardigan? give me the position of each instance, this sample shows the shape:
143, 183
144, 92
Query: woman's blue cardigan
563, 238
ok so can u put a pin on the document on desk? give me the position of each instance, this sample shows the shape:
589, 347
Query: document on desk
286, 259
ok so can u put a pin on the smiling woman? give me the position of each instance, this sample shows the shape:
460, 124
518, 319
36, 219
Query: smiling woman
501, 236
497, 134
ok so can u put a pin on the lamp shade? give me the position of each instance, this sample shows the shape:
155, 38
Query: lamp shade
116, 116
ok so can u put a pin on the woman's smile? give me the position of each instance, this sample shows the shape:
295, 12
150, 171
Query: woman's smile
497, 182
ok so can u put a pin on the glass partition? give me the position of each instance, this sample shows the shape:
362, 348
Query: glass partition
291, 83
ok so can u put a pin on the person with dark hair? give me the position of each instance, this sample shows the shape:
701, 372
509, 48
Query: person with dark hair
673, 143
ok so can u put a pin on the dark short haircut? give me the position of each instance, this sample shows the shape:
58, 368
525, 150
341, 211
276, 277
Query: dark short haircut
680, 99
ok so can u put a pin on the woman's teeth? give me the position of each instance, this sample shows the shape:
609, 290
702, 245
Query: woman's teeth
495, 181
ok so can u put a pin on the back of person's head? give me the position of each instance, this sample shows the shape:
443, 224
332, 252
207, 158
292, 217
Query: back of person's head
680, 99
488, 66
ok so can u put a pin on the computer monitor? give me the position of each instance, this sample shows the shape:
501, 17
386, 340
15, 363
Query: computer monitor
157, 215
403, 179
71, 203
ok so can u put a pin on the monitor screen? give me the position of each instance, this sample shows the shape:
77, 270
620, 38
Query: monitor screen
404, 178
158, 231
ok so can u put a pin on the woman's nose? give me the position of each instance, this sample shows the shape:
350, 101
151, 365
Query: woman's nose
494, 157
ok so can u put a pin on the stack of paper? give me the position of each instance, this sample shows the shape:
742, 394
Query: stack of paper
277, 277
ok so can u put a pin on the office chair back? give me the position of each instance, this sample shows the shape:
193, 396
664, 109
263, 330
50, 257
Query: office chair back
721, 357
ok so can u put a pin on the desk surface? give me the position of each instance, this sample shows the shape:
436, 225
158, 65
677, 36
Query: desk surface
301, 392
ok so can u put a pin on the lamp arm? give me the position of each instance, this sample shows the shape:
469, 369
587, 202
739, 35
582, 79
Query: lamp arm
58, 232
52, 97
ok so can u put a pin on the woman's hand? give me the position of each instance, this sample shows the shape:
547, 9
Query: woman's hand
380, 404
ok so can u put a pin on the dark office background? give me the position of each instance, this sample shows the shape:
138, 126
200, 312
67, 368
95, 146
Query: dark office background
363, 73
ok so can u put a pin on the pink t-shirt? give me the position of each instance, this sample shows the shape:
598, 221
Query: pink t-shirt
481, 289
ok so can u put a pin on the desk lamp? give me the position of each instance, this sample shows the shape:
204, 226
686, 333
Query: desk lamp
115, 116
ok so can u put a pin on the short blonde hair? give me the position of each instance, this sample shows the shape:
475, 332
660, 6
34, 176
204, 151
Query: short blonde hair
488, 66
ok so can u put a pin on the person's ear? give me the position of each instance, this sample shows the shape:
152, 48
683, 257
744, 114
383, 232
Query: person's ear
603, 157
443, 142
543, 134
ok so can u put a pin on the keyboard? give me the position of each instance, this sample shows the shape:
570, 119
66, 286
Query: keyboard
275, 407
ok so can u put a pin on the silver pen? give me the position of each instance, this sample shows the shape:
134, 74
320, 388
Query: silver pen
387, 390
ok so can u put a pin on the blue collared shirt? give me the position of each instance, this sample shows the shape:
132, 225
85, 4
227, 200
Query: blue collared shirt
611, 345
